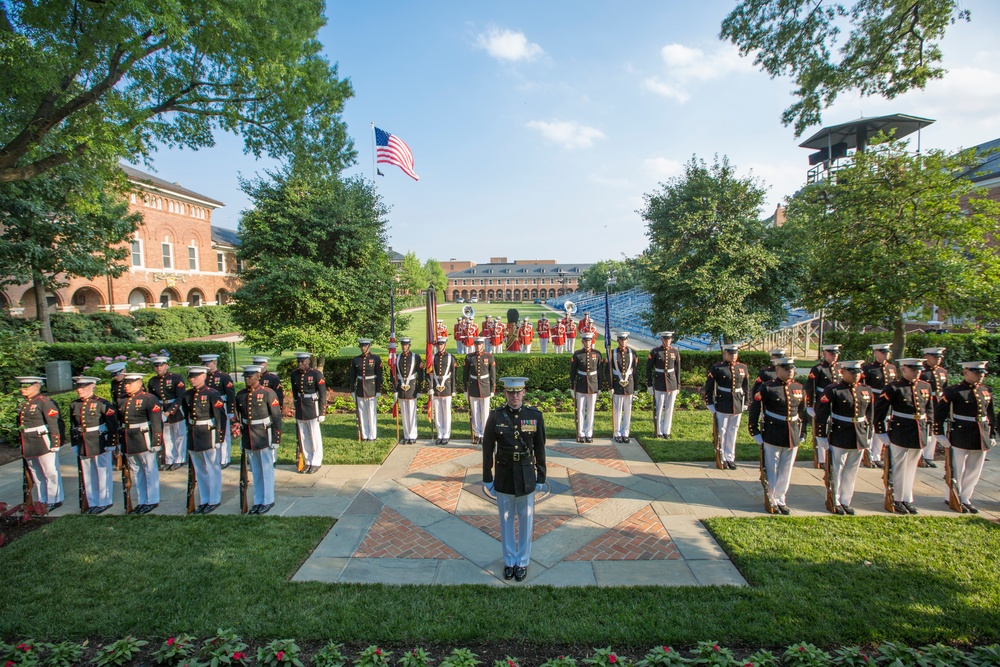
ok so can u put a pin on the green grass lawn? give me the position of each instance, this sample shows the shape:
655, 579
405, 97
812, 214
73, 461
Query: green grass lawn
692, 437
824, 580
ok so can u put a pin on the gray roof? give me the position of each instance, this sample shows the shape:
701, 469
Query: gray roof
848, 132
394, 256
224, 236
990, 167
519, 270
161, 184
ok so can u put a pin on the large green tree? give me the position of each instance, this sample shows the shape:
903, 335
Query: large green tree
86, 79
317, 274
713, 266
890, 46
896, 232
627, 272
412, 277
67, 223
435, 275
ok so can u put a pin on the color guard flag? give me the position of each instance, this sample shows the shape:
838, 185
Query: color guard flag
390, 149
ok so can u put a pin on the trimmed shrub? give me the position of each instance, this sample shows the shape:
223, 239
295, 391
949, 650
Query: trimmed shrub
193, 319
113, 328
159, 324
20, 351
219, 319
976, 346
73, 328
94, 357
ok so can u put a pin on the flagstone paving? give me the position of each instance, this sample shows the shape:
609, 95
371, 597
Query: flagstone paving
610, 517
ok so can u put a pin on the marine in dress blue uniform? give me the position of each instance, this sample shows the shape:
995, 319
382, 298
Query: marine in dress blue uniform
877, 374
223, 384
624, 362
441, 387
820, 377
169, 387
366, 385
258, 414
727, 392
41, 431
936, 375
94, 433
205, 412
663, 380
142, 428
479, 382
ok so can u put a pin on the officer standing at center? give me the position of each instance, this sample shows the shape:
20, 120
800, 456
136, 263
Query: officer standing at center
258, 412
142, 424
586, 374
878, 374
366, 385
169, 387
624, 362
513, 463
663, 379
309, 396
441, 387
409, 377
727, 392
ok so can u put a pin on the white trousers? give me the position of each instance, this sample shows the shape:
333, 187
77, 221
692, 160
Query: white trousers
459, 347
663, 401
98, 484
208, 468
929, 448
367, 415
479, 409
498, 349
904, 470
570, 344
408, 418
312, 441
875, 448
966, 468
227, 448
516, 548
729, 426
585, 415
526, 349
558, 349
844, 464
146, 472
262, 469
820, 450
175, 442
48, 481
442, 416
544, 343
623, 414
488, 346
778, 463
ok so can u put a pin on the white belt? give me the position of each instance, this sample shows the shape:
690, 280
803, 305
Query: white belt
91, 429
37, 429
139, 425
784, 418
728, 390
841, 418
370, 377
484, 377
312, 396
876, 391
907, 415
586, 373
204, 422
169, 401
970, 419
260, 422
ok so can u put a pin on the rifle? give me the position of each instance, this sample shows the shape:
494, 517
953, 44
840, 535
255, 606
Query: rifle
127, 483
717, 442
300, 459
828, 483
244, 481
84, 503
192, 485
954, 502
890, 500
768, 507
357, 416
28, 484
816, 464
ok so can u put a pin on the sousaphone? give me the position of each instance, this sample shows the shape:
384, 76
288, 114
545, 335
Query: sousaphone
570, 308
469, 311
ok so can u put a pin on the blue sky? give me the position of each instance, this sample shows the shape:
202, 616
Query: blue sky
537, 127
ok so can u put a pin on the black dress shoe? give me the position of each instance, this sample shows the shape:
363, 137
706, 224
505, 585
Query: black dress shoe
929, 463
313, 469
101, 509
877, 464
784, 510
135, 510
54, 506
520, 573
848, 509
838, 510
211, 508
200, 509
589, 439
254, 510
177, 466
508, 573
445, 441
969, 507
910, 508
150, 507
226, 465
264, 509
900, 508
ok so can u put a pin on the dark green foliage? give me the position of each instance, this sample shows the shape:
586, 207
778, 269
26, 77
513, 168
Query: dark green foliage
219, 319
192, 319
181, 354
978, 346
159, 324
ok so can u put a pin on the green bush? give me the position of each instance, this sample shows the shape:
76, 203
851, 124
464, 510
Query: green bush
976, 346
73, 328
94, 357
219, 319
159, 324
193, 319
113, 328
19, 351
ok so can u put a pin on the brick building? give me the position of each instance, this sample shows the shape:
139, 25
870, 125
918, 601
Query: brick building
520, 280
178, 258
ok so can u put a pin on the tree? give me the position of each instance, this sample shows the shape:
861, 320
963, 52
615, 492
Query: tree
412, 277
317, 274
435, 275
896, 232
117, 79
892, 46
627, 273
67, 223
712, 265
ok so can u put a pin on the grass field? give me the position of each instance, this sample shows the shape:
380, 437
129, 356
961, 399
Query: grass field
823, 580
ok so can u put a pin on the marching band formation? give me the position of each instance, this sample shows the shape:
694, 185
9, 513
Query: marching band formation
860, 413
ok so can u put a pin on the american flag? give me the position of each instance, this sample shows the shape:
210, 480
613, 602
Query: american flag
390, 149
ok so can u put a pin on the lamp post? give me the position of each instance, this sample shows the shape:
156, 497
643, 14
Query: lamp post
562, 281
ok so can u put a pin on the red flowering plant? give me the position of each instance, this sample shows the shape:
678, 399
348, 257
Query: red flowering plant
605, 657
279, 653
417, 657
507, 662
373, 656
710, 654
22, 654
329, 656
225, 648
761, 658
176, 650
662, 656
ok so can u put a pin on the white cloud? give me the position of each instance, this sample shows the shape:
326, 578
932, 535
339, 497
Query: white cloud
508, 45
686, 65
661, 168
568, 134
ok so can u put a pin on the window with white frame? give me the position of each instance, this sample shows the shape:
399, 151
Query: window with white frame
220, 261
168, 254
193, 257
137, 258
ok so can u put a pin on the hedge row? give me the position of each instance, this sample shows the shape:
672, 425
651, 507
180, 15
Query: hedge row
94, 357
160, 324
977, 346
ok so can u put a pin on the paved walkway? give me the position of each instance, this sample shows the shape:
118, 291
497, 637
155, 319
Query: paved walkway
612, 517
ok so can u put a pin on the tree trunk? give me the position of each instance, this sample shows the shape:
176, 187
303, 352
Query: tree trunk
42, 309
320, 363
898, 337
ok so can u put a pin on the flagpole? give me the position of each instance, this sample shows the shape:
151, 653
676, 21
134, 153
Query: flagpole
374, 168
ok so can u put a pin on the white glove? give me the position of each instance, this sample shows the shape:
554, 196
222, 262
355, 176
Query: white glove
273, 445
652, 391
883, 438
466, 397
993, 443
759, 439
711, 408
376, 396
811, 413
943, 441
217, 445
430, 393
157, 449
824, 443
321, 418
